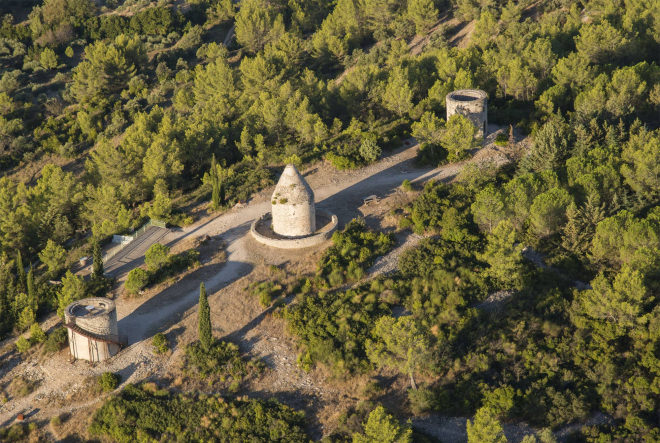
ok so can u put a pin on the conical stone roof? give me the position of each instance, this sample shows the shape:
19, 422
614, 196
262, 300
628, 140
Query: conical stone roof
292, 188
293, 205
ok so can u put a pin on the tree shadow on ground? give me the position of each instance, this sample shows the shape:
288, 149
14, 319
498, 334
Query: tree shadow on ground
170, 305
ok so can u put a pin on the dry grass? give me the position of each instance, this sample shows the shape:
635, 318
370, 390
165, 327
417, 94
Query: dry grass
22, 387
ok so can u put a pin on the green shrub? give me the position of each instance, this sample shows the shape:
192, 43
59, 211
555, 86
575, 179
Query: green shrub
499, 400
160, 343
15, 432
23, 345
421, 400
108, 381
353, 251
21, 387
405, 223
56, 421
406, 185
137, 280
431, 155
37, 335
267, 291
138, 414
369, 150
176, 264
340, 162
56, 340
156, 256
333, 326
502, 139
222, 358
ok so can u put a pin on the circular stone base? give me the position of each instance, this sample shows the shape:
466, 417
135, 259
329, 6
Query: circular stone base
262, 232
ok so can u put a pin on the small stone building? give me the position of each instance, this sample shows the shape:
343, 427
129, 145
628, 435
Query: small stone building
471, 103
293, 205
92, 329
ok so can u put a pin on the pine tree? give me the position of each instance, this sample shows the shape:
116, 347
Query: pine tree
26, 318
485, 428
504, 255
97, 260
401, 344
73, 288
20, 272
204, 319
575, 233
397, 96
423, 14
382, 427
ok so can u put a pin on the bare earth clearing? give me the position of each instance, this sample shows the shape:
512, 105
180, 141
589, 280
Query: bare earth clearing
236, 315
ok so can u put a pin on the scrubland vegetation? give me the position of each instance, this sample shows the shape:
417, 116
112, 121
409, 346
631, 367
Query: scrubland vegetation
115, 111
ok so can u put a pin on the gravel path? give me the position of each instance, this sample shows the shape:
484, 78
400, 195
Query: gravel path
389, 262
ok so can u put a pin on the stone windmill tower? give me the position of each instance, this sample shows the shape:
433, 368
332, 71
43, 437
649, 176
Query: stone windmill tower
293, 205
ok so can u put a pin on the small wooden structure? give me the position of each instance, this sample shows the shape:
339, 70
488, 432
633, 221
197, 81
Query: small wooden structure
371, 199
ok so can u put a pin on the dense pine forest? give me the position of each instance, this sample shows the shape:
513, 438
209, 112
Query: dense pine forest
113, 112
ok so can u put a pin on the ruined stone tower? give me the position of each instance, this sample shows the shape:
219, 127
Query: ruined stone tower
471, 103
92, 325
293, 205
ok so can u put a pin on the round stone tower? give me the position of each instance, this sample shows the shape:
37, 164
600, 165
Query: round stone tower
92, 325
293, 205
471, 103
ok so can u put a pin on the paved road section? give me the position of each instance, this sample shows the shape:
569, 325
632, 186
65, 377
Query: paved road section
134, 251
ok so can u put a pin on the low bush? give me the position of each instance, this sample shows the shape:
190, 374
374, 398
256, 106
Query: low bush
15, 432
369, 150
340, 162
137, 280
161, 266
353, 251
431, 155
56, 421
502, 139
37, 335
160, 343
156, 256
108, 381
267, 291
139, 414
56, 340
333, 326
21, 387
421, 400
23, 345
223, 358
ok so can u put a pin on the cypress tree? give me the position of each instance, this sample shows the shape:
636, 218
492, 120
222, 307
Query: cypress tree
31, 291
215, 195
204, 319
221, 186
20, 271
97, 260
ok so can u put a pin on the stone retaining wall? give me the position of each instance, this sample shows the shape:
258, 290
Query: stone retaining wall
295, 243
